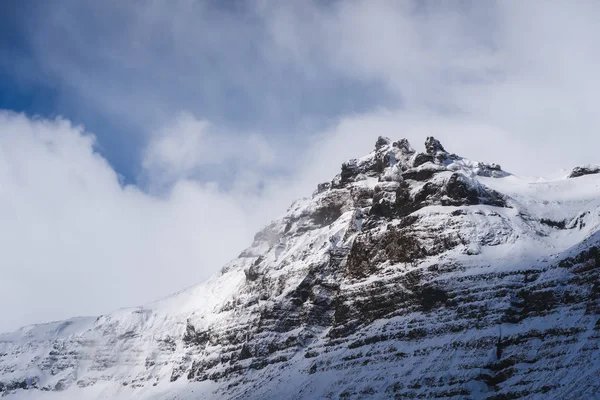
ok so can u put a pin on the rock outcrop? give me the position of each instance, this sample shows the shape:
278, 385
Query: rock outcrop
584, 170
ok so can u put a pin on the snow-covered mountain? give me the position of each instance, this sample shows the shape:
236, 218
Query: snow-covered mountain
409, 275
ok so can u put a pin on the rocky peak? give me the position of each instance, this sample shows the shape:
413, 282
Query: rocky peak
584, 170
381, 142
403, 181
397, 161
404, 146
433, 146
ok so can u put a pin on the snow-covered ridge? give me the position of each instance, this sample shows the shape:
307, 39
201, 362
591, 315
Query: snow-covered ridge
447, 277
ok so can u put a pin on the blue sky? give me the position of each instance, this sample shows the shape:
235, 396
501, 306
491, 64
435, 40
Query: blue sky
18, 91
26, 87
77, 59
139, 137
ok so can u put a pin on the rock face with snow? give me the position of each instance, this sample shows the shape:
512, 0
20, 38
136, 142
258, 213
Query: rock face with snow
584, 170
409, 275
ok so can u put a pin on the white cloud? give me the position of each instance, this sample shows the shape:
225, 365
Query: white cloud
75, 241
526, 69
185, 145
520, 75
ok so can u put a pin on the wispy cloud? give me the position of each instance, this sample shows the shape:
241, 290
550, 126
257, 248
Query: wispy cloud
189, 148
291, 69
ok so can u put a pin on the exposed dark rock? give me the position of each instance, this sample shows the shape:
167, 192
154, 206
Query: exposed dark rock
433, 146
586, 170
252, 273
431, 297
349, 170
329, 208
404, 146
327, 214
323, 187
421, 159
25, 384
421, 174
491, 171
362, 196
384, 198
403, 197
394, 245
381, 142
554, 224
463, 191
245, 353
191, 337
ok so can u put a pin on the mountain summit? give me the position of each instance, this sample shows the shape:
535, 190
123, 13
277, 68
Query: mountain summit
408, 275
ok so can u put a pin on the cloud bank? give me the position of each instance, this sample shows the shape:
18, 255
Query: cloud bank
76, 241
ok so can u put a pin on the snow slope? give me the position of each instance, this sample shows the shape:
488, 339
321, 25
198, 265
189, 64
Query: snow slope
409, 275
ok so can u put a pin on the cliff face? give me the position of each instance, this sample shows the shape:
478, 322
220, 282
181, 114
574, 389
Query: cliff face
409, 275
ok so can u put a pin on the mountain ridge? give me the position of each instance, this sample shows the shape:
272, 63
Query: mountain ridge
409, 275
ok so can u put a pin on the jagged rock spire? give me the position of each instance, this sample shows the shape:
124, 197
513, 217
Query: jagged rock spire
397, 160
382, 141
404, 146
433, 146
